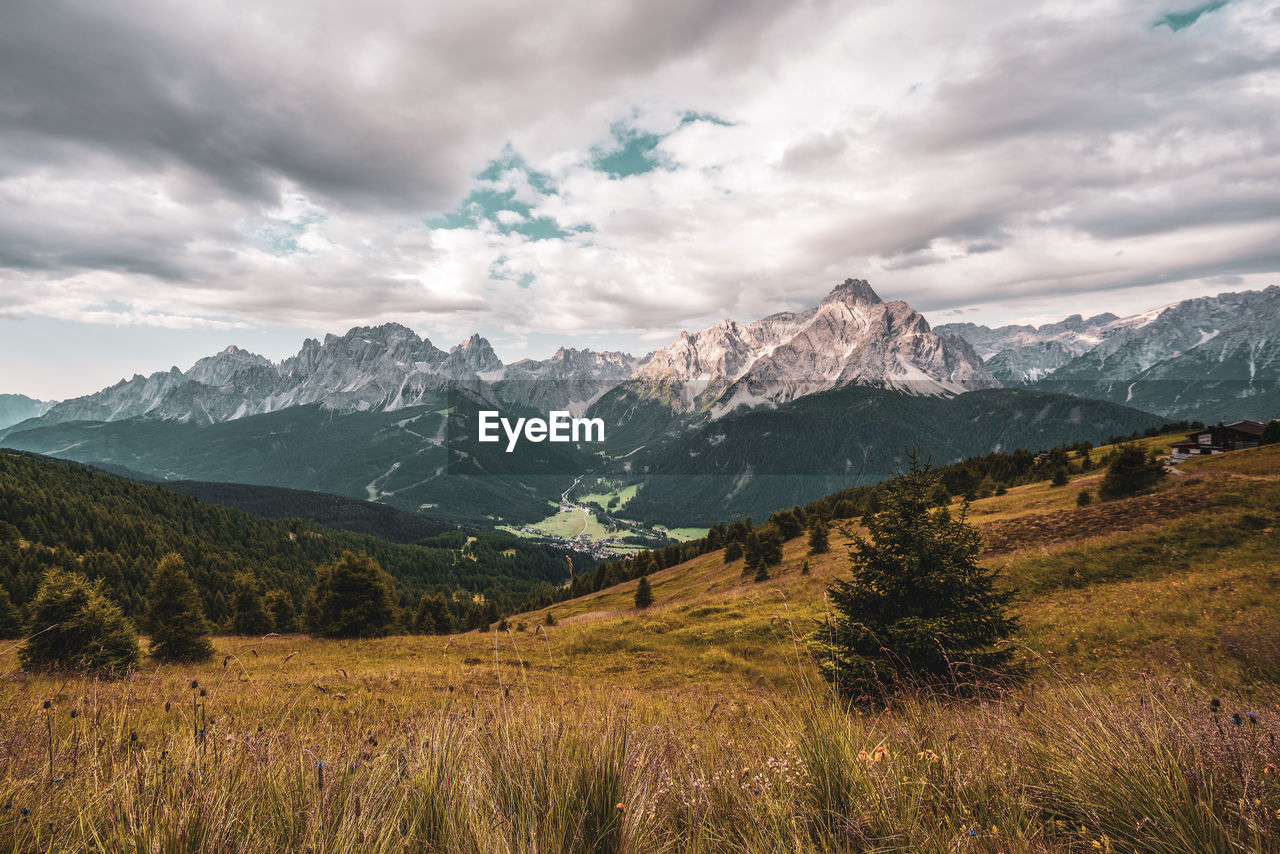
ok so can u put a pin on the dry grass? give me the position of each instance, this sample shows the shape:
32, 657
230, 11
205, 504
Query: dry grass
699, 725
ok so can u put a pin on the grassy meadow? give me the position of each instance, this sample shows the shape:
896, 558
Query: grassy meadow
1148, 721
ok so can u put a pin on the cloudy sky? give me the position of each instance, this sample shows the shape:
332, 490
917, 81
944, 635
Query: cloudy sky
174, 178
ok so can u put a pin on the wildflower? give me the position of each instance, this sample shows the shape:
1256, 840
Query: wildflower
880, 753
1215, 704
194, 684
1252, 716
26, 811
973, 831
57, 779
74, 713
929, 755
1236, 719
47, 704
863, 756
619, 807
1270, 769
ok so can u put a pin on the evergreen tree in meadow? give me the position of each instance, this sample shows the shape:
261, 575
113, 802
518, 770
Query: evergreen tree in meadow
179, 631
281, 611
818, 538
918, 607
762, 570
732, 551
770, 546
10, 616
74, 627
433, 616
1130, 472
353, 597
1059, 477
750, 551
644, 593
248, 609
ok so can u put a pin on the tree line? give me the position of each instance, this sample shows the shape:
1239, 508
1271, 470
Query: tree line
114, 531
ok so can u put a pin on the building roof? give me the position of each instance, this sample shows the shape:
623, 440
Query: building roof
1253, 428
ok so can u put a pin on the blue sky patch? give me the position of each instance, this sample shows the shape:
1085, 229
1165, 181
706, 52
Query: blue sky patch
487, 202
1181, 20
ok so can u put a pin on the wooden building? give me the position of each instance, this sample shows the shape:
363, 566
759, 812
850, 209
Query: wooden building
1220, 438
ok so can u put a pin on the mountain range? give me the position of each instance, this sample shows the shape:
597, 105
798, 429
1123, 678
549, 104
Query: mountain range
1209, 358
381, 413
18, 407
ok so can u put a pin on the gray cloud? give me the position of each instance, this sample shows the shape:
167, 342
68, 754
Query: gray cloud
277, 163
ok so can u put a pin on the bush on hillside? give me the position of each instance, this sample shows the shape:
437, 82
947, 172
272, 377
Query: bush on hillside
74, 627
1131, 471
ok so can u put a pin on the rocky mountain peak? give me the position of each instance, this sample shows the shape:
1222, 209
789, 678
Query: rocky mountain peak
852, 291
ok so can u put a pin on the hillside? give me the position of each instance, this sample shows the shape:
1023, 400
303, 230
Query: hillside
1186, 577
760, 461
56, 513
699, 726
332, 511
403, 458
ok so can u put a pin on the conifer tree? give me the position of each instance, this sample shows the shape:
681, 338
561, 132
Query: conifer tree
818, 538
281, 611
644, 593
1271, 433
10, 616
732, 551
74, 626
353, 597
750, 551
770, 546
804, 568
179, 631
1130, 472
918, 607
433, 616
762, 571
248, 610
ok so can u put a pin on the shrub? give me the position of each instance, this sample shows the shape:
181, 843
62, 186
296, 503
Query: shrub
179, 631
1059, 477
1084, 499
74, 626
1129, 473
919, 607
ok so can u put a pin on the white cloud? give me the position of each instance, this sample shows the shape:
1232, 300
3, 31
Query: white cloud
1007, 157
